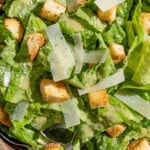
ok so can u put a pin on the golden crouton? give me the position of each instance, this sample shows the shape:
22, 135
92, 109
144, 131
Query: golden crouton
53, 146
145, 19
4, 118
52, 9
109, 15
34, 42
98, 98
140, 144
53, 91
1, 3
81, 2
117, 52
116, 130
15, 27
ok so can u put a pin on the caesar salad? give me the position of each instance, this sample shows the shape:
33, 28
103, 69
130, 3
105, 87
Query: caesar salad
75, 74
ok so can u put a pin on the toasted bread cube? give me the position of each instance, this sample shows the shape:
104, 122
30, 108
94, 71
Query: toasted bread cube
109, 15
34, 42
140, 144
53, 146
81, 2
98, 98
52, 10
2, 3
4, 118
117, 52
15, 27
116, 130
53, 91
145, 19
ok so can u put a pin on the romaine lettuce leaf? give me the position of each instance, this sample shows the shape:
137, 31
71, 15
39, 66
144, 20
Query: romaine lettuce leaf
21, 8
9, 45
146, 5
25, 135
114, 33
142, 72
4, 67
137, 64
19, 87
133, 85
44, 119
133, 132
117, 112
134, 29
89, 19
123, 11
70, 24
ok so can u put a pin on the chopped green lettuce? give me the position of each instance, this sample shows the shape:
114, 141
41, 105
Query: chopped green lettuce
25, 135
19, 84
142, 72
70, 24
8, 49
4, 67
89, 19
114, 33
134, 132
123, 11
21, 8
20, 93
136, 63
146, 6
117, 112
134, 29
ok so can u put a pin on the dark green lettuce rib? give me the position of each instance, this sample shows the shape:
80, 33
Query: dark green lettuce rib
134, 29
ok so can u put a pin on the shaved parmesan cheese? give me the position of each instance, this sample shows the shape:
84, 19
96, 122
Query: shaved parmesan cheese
110, 81
20, 110
78, 52
70, 112
135, 102
94, 57
7, 77
62, 60
105, 5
